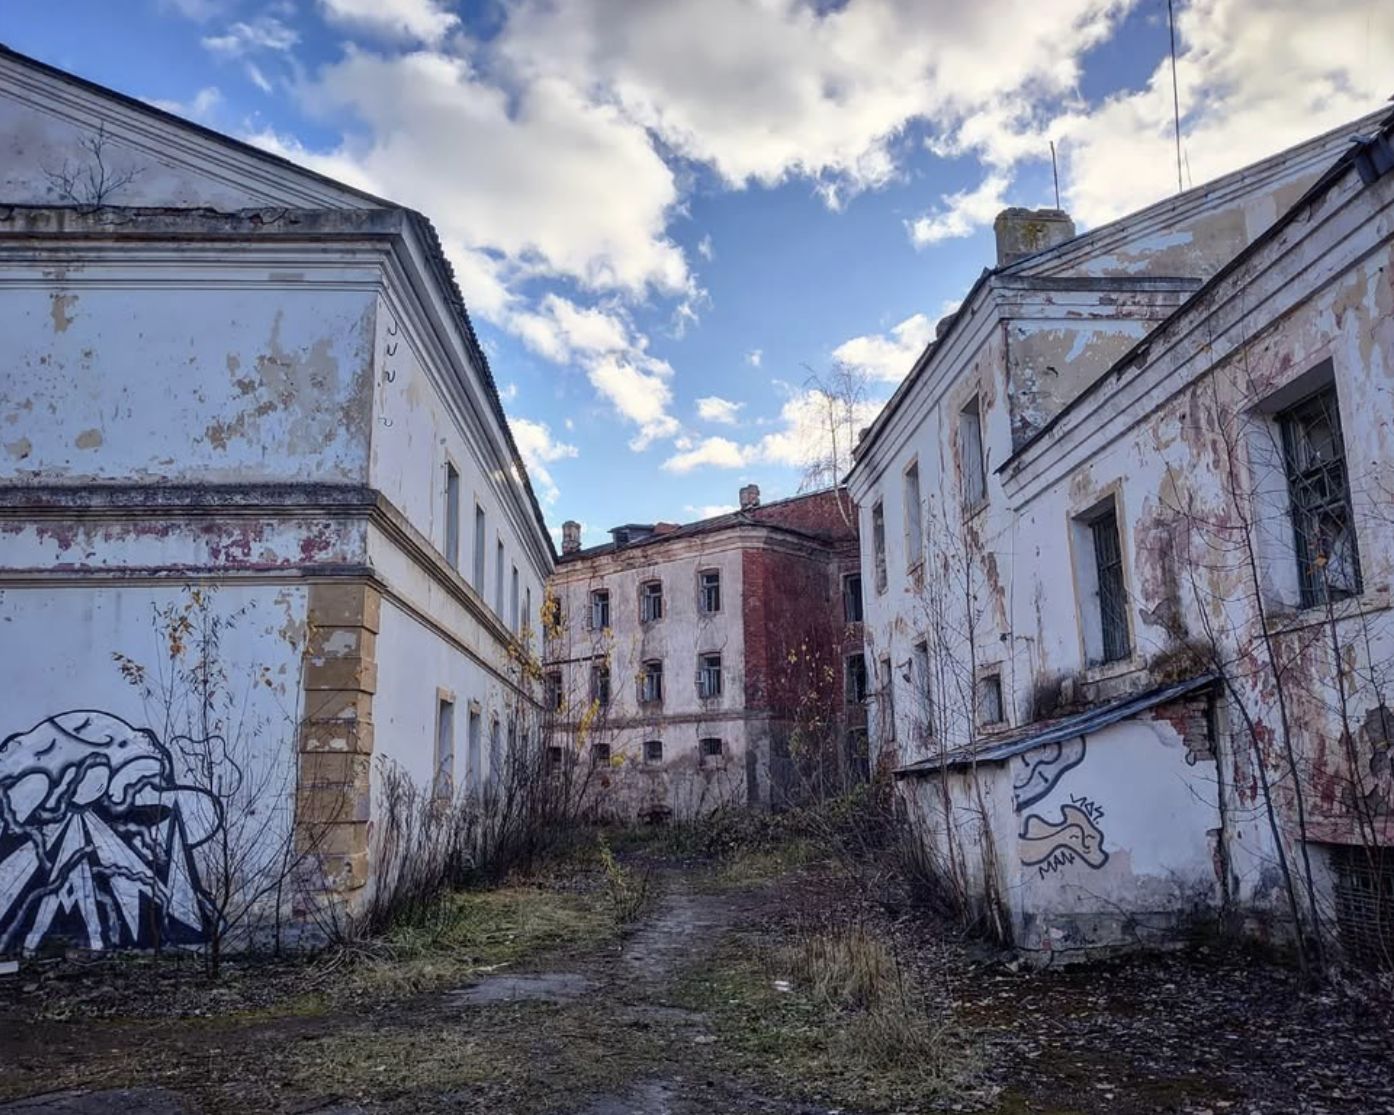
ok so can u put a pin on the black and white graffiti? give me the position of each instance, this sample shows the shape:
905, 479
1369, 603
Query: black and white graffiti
97, 837
1039, 771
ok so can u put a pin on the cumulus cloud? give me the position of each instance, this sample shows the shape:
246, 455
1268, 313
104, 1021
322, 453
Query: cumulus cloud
539, 449
201, 107
887, 357
961, 213
713, 408
421, 20
264, 33
754, 357
709, 510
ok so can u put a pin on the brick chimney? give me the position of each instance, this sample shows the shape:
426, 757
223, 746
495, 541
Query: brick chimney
570, 537
1024, 232
750, 497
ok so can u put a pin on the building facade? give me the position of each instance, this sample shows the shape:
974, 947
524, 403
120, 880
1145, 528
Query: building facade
687, 664
1128, 566
266, 532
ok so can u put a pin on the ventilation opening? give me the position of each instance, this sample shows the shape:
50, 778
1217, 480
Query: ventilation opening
1365, 904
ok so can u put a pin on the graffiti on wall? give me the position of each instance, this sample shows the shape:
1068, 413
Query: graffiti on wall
97, 837
1072, 837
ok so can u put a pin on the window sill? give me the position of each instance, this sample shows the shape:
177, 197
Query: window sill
1290, 621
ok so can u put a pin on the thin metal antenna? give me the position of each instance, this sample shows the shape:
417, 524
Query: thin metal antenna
1175, 93
1054, 170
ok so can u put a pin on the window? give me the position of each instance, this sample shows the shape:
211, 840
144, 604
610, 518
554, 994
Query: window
855, 681
852, 597
600, 684
555, 759
552, 695
709, 676
914, 525
527, 606
878, 544
650, 601
600, 754
513, 602
651, 682
923, 684
709, 751
479, 535
653, 751
473, 752
600, 610
443, 785
1100, 585
887, 696
970, 448
551, 614
452, 515
1314, 457
990, 710
496, 752
498, 580
709, 594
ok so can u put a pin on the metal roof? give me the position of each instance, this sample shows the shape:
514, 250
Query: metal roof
1001, 748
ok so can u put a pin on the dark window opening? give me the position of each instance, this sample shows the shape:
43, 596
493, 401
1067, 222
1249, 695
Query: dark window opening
600, 754
552, 695
600, 610
1113, 601
856, 679
990, 710
554, 759
600, 685
852, 598
1364, 878
653, 751
709, 749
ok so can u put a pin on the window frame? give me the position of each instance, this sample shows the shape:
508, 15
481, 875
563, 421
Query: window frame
602, 691
989, 677
706, 592
853, 694
913, 512
847, 597
1103, 604
600, 598
553, 697
651, 669
451, 495
706, 757
481, 538
653, 751
878, 546
443, 766
921, 680
650, 602
973, 484
885, 677
709, 670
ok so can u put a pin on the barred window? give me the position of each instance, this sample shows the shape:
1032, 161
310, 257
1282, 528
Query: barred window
653, 751
1113, 600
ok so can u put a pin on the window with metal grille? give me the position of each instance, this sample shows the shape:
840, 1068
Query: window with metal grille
1113, 600
1314, 455
970, 447
600, 754
650, 601
855, 681
653, 751
709, 590
709, 750
878, 544
1365, 903
600, 685
600, 610
852, 598
651, 683
709, 676
990, 710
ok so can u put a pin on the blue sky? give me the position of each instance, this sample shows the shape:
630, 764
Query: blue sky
668, 218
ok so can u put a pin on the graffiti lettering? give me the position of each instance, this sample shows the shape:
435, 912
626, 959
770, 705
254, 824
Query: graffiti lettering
1074, 833
97, 836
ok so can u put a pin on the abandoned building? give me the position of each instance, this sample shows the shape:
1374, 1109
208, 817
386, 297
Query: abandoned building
1126, 539
254, 464
687, 665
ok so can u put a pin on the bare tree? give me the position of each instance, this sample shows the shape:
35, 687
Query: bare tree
94, 179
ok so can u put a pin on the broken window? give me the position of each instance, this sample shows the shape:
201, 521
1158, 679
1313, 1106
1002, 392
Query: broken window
480, 533
990, 710
653, 751
600, 754
650, 601
600, 610
852, 597
878, 544
709, 676
924, 687
1314, 454
1364, 892
709, 750
855, 681
709, 591
970, 447
887, 699
552, 695
600, 684
651, 682
914, 525
452, 515
443, 785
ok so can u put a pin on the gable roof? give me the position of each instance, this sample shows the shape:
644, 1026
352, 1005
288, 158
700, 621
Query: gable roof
444, 271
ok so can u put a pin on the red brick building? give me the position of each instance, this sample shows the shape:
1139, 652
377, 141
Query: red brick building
712, 662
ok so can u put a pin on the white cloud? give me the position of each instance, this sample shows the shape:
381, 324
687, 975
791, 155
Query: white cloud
712, 452
508, 392
710, 510
962, 213
539, 449
201, 108
887, 358
713, 408
422, 20
705, 249
753, 357
263, 33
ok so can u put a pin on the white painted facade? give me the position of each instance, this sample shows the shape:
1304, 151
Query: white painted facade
253, 383
1009, 588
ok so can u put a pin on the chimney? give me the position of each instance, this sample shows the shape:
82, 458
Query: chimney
750, 497
1024, 232
570, 537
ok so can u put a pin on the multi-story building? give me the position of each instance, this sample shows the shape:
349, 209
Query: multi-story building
255, 466
687, 663
1128, 550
